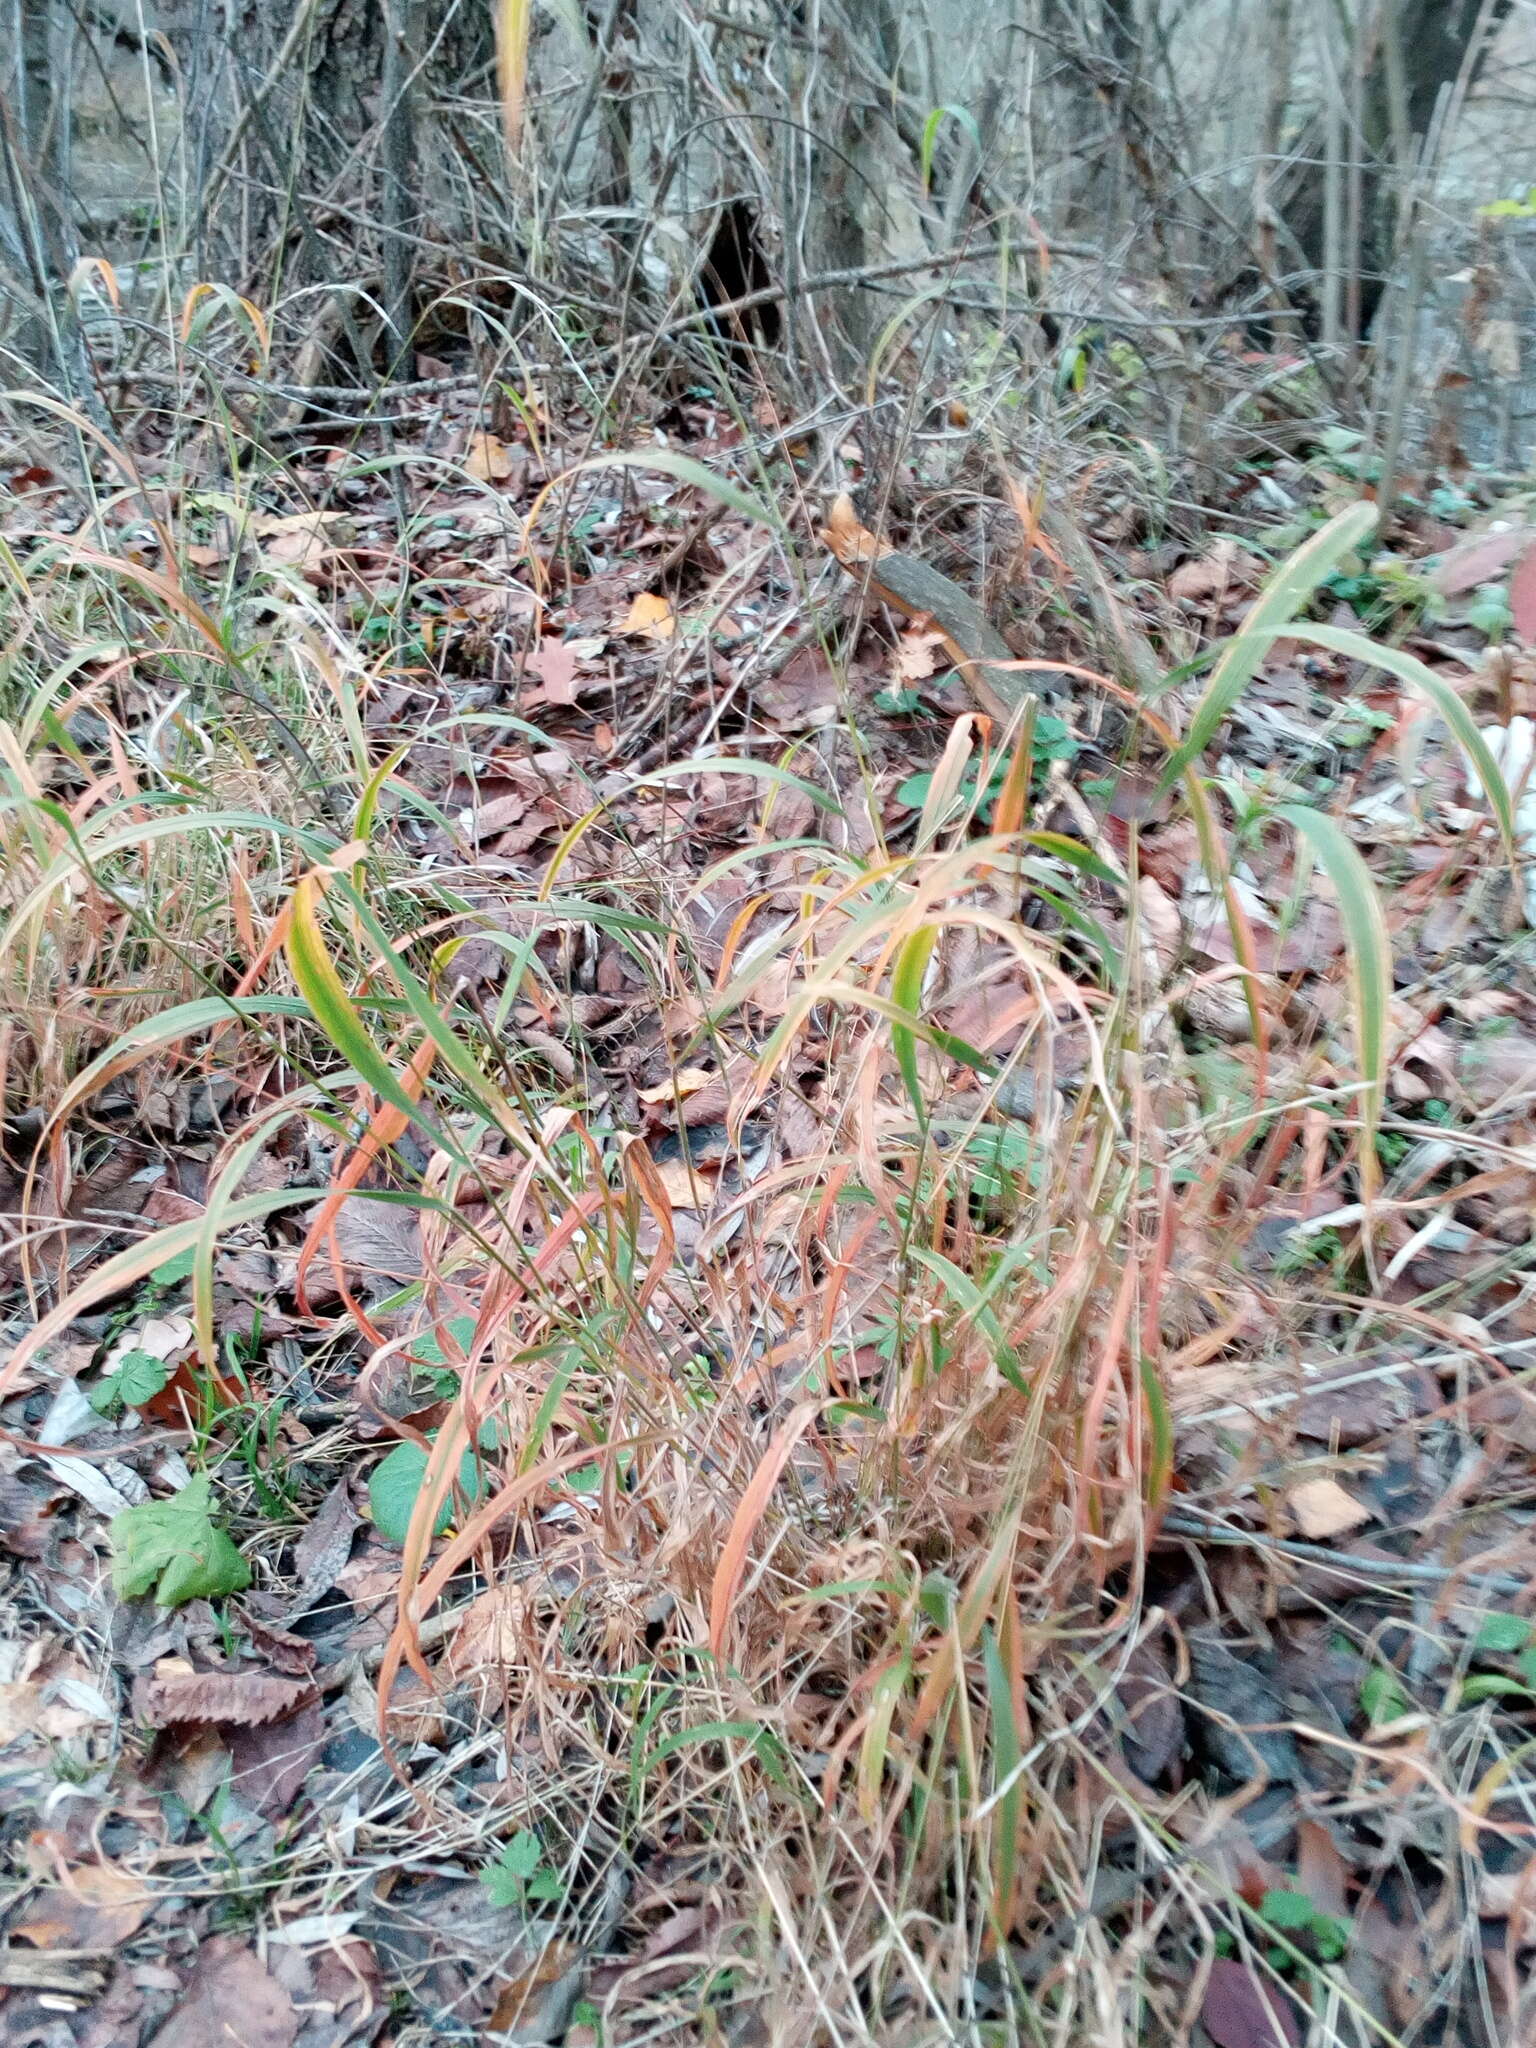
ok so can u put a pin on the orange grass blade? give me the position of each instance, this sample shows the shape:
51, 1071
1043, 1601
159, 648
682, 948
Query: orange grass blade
754, 1502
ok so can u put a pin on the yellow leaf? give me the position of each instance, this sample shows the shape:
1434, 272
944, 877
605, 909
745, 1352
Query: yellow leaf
488, 459
1322, 1509
685, 1188
685, 1082
651, 615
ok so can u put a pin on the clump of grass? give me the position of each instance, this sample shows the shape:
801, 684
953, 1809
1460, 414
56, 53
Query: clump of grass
806, 1551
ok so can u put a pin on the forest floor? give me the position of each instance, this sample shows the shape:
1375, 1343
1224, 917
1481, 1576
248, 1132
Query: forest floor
702, 1350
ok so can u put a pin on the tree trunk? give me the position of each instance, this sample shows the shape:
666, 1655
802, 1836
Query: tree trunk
1435, 39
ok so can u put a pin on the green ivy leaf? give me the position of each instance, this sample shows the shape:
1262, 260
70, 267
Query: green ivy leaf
1501, 1635
175, 1270
397, 1480
174, 1546
427, 1349
1287, 1909
139, 1377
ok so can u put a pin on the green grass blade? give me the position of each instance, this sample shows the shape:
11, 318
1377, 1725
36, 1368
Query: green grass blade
1370, 964
1282, 597
1442, 697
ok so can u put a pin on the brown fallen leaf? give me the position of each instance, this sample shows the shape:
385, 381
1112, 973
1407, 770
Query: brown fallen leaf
686, 1188
268, 1765
299, 540
488, 459
1322, 1509
98, 1907
325, 1546
229, 1998
1482, 558
175, 1694
1225, 568
381, 1239
1522, 596
679, 1086
916, 656
1242, 2010
847, 537
555, 664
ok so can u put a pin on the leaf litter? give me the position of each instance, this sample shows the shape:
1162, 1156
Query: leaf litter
617, 1323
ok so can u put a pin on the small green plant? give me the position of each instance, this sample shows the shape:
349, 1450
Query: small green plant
396, 1482
136, 1378
1511, 209
1502, 1635
1303, 1253
176, 1547
1054, 740
1293, 1913
1382, 1697
520, 1873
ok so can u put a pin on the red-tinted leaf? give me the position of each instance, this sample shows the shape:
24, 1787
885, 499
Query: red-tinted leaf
1241, 2011
1522, 596
1482, 559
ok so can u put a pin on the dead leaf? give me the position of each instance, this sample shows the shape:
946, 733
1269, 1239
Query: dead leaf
268, 1765
1243, 2011
1482, 558
175, 1695
916, 656
1153, 1734
381, 1239
679, 1086
1160, 920
555, 664
299, 540
1499, 341
98, 1907
322, 1551
1522, 596
1208, 580
651, 616
686, 1188
1322, 1509
849, 539
488, 459
229, 2001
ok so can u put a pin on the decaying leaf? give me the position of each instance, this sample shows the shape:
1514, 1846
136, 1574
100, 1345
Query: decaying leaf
1322, 1509
1242, 2010
97, 1907
488, 459
229, 1998
175, 1695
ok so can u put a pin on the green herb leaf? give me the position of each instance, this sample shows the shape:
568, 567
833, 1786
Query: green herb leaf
396, 1482
173, 1546
139, 1377
1383, 1698
1291, 1910
1501, 1635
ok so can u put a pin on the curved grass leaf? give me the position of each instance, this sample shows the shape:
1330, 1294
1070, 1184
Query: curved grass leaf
1282, 597
1370, 964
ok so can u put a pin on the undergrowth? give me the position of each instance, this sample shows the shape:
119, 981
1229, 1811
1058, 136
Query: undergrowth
802, 1556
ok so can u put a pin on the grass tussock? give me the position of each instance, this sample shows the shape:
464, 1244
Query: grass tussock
787, 1414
